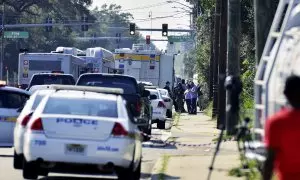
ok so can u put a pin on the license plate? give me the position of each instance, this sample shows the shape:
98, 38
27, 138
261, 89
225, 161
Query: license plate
75, 149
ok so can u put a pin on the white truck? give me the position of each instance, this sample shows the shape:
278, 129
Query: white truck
281, 58
145, 65
32, 63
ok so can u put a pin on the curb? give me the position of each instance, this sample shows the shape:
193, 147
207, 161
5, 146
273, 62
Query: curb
156, 168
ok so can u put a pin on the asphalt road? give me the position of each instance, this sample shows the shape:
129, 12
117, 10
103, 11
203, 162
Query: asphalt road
152, 150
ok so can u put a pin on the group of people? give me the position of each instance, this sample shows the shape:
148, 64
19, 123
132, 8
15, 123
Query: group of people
189, 93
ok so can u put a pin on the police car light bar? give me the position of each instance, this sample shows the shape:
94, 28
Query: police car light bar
150, 87
2, 83
89, 89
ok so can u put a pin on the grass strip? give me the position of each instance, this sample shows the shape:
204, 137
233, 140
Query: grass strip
164, 166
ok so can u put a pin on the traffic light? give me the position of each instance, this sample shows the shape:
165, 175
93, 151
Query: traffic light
49, 21
132, 28
164, 29
148, 39
84, 19
118, 36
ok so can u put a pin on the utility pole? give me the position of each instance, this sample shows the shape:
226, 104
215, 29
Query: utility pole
222, 65
216, 58
234, 34
211, 63
2, 41
264, 14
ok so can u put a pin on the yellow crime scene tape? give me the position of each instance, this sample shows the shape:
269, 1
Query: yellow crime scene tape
8, 119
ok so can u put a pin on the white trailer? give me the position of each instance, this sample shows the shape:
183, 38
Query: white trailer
145, 65
32, 63
281, 58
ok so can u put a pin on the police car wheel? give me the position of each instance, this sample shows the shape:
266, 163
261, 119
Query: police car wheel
29, 170
18, 161
129, 174
169, 114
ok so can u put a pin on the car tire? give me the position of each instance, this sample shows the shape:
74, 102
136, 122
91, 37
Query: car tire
18, 161
169, 114
161, 125
43, 171
149, 131
129, 174
29, 170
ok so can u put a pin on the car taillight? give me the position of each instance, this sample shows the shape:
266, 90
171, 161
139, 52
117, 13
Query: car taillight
37, 125
119, 130
138, 106
26, 119
161, 104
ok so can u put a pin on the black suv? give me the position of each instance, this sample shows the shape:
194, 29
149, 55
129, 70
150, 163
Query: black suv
51, 78
134, 94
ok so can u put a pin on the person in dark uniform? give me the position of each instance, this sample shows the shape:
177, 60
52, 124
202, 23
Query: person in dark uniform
167, 87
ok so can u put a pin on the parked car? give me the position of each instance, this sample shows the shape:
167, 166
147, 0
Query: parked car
83, 126
133, 94
22, 121
168, 101
11, 100
158, 106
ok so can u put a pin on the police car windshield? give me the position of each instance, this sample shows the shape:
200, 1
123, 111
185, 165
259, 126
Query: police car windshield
12, 100
42, 79
84, 107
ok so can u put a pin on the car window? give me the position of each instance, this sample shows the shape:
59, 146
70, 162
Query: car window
85, 107
155, 93
127, 84
37, 101
52, 79
12, 100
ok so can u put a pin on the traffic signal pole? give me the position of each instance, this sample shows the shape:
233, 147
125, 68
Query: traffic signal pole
2, 41
234, 34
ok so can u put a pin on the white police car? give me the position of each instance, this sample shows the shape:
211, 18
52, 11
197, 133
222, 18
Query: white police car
21, 123
159, 107
81, 126
11, 99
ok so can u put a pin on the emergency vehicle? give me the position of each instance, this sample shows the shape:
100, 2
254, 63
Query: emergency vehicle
145, 65
33, 63
11, 100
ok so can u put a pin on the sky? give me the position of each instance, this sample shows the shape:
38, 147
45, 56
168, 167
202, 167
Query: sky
178, 17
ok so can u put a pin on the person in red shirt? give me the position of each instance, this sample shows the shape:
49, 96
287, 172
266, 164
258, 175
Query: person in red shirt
282, 136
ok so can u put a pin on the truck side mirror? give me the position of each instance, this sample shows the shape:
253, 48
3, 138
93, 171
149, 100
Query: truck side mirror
146, 93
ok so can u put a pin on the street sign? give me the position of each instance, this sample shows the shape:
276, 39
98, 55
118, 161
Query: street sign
179, 38
16, 34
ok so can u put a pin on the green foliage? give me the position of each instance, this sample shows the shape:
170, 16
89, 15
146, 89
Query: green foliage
208, 109
251, 173
61, 11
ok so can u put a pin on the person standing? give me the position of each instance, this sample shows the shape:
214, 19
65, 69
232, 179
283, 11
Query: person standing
188, 99
194, 97
167, 87
200, 97
282, 134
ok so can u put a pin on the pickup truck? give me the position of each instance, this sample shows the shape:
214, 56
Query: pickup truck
51, 78
136, 97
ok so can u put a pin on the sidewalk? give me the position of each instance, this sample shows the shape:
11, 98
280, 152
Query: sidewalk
192, 163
